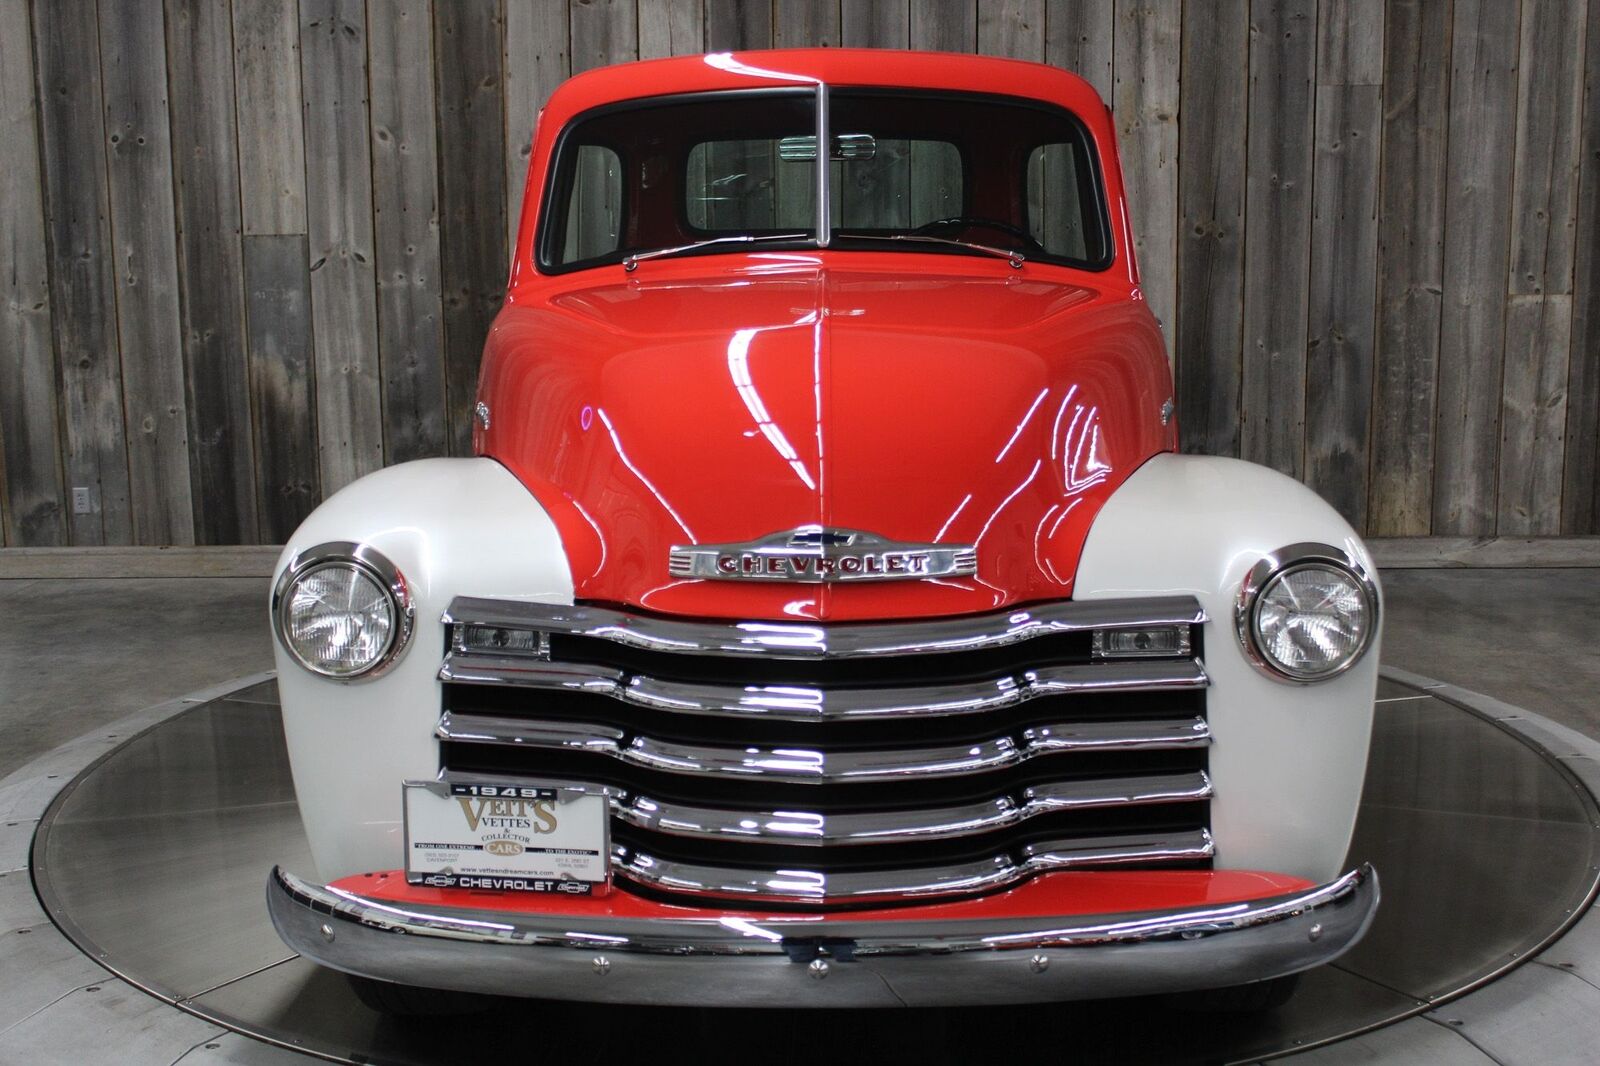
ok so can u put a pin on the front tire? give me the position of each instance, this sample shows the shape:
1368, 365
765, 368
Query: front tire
408, 1001
1254, 998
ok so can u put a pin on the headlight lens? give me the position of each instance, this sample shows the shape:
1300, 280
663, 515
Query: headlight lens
342, 617
1307, 619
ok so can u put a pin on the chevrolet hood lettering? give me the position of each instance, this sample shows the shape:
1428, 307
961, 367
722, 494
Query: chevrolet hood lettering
816, 554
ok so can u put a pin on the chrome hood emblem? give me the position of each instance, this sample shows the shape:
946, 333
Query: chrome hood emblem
816, 554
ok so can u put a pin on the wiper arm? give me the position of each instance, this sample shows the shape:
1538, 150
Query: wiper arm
630, 262
1015, 258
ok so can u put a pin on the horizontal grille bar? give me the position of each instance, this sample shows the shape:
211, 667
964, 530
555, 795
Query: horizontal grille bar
819, 829
808, 703
860, 886
808, 766
789, 640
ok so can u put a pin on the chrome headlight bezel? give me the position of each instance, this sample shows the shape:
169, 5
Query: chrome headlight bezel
1281, 563
373, 565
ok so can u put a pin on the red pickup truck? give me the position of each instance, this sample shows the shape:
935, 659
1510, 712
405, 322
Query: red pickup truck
827, 617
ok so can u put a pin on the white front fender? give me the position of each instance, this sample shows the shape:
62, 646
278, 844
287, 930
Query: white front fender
453, 527
1288, 760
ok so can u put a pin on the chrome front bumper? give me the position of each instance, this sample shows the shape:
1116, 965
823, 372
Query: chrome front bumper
811, 961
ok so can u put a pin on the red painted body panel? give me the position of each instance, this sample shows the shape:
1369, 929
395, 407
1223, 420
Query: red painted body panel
1068, 894
921, 397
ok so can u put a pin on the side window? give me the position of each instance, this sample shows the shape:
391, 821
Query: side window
594, 211
1055, 211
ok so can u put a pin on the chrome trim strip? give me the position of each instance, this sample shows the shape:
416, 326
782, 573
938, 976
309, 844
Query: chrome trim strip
791, 640
809, 703
857, 886
814, 766
823, 829
766, 961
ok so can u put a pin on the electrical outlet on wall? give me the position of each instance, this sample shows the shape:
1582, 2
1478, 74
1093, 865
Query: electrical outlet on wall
83, 499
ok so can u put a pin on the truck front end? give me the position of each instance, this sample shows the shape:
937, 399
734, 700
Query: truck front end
826, 618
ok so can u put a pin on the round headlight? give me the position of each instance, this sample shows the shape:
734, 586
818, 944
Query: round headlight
1307, 613
343, 611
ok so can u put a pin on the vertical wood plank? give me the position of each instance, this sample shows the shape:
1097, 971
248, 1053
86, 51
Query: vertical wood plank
1533, 405
1079, 37
473, 257
1207, 338
30, 459
133, 63
333, 53
1580, 491
1344, 248
1483, 91
266, 71
1013, 28
82, 288
603, 32
736, 25
1410, 266
536, 61
1533, 414
215, 357
283, 377
800, 23
670, 28
1148, 35
945, 26
1277, 232
406, 230
882, 23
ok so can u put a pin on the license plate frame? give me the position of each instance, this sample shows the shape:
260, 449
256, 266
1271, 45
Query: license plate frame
554, 836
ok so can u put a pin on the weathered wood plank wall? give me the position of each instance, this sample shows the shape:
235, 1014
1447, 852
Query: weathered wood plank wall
249, 250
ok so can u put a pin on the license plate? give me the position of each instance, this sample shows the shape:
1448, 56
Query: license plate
508, 838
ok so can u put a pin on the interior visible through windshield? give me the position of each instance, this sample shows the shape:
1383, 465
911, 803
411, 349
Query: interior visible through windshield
919, 171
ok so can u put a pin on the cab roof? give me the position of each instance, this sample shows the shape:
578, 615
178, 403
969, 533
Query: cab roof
875, 67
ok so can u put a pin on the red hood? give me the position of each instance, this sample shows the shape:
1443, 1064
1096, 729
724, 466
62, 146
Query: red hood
700, 402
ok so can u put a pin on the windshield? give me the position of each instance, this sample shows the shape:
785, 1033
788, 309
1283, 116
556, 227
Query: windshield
724, 172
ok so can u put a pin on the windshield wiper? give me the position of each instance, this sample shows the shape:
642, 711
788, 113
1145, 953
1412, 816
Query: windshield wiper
629, 262
1016, 259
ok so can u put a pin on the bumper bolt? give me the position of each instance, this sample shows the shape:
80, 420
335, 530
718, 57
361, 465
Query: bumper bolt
1039, 963
818, 968
327, 932
602, 965
1314, 933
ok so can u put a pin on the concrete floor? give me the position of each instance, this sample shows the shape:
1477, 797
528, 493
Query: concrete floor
1524, 636
75, 655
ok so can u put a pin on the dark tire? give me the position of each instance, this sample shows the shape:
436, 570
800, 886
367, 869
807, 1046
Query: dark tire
1254, 998
407, 1001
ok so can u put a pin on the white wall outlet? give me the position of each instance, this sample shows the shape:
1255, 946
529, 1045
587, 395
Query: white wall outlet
82, 499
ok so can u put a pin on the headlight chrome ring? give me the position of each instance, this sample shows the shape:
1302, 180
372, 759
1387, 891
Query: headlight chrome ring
367, 565
1282, 564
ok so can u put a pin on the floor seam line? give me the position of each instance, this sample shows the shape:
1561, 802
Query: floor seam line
190, 1050
41, 1009
1564, 970
233, 980
1456, 1029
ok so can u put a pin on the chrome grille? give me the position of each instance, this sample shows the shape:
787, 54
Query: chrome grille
794, 763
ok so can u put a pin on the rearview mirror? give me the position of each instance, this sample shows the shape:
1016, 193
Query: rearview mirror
846, 146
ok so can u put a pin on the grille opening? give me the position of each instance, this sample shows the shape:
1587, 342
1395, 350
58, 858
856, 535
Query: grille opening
834, 734
884, 670
737, 793
1173, 818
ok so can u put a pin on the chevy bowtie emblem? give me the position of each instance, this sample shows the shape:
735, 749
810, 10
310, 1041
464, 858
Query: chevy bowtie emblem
812, 553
